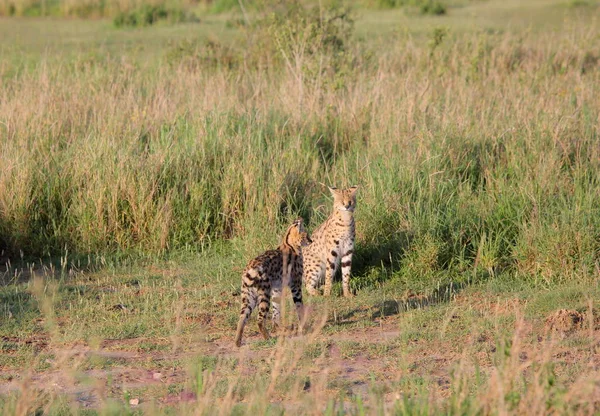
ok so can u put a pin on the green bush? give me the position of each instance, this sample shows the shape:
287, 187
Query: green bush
147, 15
312, 41
581, 3
388, 4
433, 7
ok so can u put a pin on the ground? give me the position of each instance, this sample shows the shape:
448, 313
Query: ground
147, 334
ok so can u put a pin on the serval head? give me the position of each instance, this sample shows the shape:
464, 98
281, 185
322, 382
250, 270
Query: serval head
296, 236
344, 199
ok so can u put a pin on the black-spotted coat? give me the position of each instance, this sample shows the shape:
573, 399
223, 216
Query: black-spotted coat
264, 277
332, 245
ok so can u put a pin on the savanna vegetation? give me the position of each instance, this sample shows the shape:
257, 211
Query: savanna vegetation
148, 150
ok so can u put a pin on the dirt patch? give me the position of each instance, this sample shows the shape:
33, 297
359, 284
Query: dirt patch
488, 304
565, 321
353, 359
11, 344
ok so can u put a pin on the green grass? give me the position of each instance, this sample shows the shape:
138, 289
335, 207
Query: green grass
143, 167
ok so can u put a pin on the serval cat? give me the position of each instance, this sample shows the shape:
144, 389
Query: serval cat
264, 277
333, 242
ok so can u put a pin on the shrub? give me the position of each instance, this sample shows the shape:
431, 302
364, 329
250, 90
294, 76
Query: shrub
147, 15
310, 41
433, 7
581, 3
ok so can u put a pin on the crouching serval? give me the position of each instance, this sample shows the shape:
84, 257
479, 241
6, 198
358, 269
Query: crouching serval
265, 276
332, 244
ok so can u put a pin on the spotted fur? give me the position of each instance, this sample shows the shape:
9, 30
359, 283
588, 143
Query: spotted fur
264, 277
333, 244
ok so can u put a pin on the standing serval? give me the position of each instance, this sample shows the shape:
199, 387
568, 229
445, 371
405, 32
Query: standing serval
266, 274
333, 242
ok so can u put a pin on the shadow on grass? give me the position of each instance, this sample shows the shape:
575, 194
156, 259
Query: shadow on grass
19, 271
442, 294
375, 263
390, 307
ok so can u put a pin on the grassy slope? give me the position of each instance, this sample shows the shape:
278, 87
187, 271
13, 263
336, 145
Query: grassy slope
449, 314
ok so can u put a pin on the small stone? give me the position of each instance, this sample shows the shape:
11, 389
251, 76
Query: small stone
157, 376
134, 402
120, 307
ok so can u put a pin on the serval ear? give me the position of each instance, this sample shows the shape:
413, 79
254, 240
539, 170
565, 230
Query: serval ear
353, 189
334, 191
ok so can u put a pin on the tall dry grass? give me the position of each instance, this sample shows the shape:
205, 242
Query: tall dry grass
481, 148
